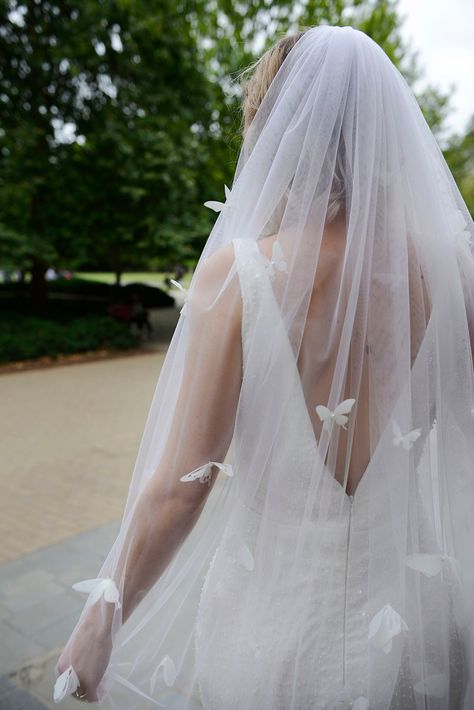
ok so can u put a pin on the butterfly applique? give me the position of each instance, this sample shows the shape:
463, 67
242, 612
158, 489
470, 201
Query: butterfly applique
218, 206
384, 626
406, 440
100, 587
65, 684
203, 473
429, 564
168, 669
277, 260
183, 290
339, 415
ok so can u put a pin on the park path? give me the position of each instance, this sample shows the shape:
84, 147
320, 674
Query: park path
70, 437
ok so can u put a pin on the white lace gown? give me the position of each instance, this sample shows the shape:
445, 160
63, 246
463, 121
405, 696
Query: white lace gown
249, 654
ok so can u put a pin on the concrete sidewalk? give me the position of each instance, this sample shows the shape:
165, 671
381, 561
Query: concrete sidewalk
69, 438
38, 611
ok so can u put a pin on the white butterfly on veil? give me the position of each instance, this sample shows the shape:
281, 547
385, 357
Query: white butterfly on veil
203, 473
183, 290
277, 261
168, 670
339, 415
384, 626
66, 684
406, 440
100, 587
430, 564
218, 206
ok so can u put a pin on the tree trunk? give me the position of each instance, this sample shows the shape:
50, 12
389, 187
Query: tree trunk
116, 262
38, 285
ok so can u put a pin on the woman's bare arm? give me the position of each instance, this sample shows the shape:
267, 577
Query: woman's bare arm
201, 431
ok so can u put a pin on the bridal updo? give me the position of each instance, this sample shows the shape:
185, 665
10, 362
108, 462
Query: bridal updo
254, 81
256, 78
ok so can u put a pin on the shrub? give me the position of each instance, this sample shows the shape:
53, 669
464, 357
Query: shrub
24, 338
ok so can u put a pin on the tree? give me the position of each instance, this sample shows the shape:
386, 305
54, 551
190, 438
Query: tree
102, 108
459, 155
234, 34
118, 119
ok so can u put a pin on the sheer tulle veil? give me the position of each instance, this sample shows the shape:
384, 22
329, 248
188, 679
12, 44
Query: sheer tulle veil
356, 369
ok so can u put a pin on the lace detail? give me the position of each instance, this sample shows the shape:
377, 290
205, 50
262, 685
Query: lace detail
252, 271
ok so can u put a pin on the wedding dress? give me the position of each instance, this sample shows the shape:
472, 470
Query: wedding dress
327, 336
338, 592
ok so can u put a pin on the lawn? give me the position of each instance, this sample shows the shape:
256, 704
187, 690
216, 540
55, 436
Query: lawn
154, 279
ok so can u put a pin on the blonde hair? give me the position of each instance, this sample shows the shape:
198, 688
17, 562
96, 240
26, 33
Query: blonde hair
255, 81
257, 77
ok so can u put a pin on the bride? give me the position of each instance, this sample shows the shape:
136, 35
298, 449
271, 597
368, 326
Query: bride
298, 533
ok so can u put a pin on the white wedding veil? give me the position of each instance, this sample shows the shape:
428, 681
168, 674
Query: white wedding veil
321, 367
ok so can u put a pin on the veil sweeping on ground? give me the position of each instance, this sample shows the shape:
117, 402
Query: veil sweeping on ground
309, 355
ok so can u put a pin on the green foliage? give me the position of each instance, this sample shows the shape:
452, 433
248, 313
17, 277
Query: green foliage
118, 119
459, 155
27, 338
78, 296
235, 34
151, 296
129, 79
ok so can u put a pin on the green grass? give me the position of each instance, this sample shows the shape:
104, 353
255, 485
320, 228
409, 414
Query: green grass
156, 278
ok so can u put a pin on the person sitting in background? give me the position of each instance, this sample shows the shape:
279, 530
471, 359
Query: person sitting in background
140, 315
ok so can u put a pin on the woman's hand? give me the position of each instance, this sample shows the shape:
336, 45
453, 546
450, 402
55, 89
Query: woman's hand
88, 652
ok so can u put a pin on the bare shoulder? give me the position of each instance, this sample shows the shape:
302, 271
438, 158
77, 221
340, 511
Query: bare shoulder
221, 259
216, 285
217, 265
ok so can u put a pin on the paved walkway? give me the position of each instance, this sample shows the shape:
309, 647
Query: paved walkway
70, 436
38, 611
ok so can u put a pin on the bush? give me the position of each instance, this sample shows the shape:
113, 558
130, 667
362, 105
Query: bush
82, 293
30, 337
150, 296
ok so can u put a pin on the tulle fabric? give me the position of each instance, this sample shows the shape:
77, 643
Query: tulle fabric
317, 400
